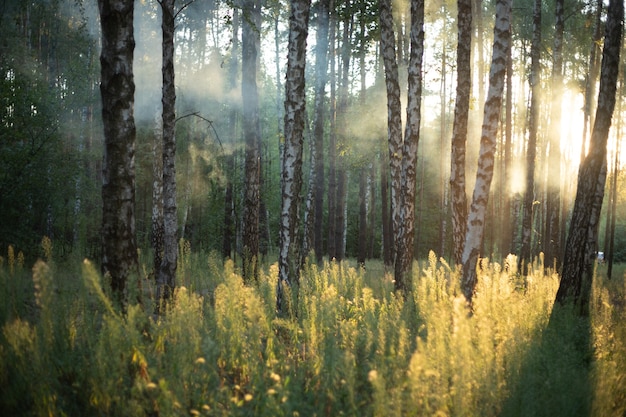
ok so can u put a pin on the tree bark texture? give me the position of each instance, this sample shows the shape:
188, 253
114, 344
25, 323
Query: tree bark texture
252, 166
406, 236
531, 148
394, 117
166, 277
575, 286
486, 156
291, 173
459, 131
117, 88
156, 232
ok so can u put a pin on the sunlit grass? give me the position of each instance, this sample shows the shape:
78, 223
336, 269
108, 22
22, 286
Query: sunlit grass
349, 347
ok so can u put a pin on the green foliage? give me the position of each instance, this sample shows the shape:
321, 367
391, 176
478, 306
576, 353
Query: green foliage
350, 346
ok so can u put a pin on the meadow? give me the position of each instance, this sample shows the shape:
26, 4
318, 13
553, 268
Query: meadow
349, 347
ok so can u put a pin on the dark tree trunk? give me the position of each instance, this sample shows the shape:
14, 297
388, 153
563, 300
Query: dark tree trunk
459, 132
575, 286
321, 71
332, 141
229, 159
552, 240
250, 131
166, 276
531, 150
117, 88
156, 232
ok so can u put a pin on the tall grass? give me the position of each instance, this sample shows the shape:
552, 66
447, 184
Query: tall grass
349, 347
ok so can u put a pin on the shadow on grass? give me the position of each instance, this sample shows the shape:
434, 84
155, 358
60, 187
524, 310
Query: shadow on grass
554, 377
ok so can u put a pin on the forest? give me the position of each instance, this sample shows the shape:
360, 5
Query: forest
312, 207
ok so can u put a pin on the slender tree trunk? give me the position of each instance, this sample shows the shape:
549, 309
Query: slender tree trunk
592, 75
342, 114
610, 252
166, 276
458, 193
486, 158
332, 140
531, 150
291, 183
251, 138
553, 221
406, 237
117, 88
321, 70
229, 158
507, 230
388, 247
156, 233
575, 286
394, 118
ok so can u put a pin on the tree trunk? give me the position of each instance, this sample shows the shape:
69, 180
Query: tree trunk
291, 183
166, 276
250, 131
531, 150
486, 158
458, 192
117, 88
321, 72
229, 158
552, 245
406, 237
394, 118
592, 75
156, 233
575, 286
506, 242
332, 140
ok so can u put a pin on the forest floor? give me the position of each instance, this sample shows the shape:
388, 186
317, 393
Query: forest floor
349, 346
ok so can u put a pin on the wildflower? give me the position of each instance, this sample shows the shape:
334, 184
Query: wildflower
247, 397
271, 391
275, 377
372, 375
200, 361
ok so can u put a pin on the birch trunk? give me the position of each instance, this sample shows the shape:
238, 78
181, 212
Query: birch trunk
117, 88
406, 237
575, 286
459, 132
291, 174
394, 118
486, 157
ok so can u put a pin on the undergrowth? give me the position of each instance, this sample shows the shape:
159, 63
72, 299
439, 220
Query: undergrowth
351, 346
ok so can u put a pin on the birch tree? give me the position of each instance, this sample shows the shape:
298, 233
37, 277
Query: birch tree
403, 151
117, 88
291, 173
459, 131
486, 156
576, 278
